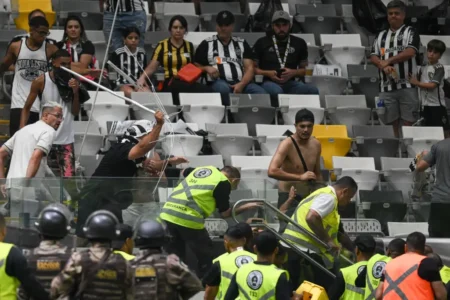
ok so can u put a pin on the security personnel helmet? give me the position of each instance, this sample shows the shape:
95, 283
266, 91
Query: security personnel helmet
54, 221
101, 224
150, 234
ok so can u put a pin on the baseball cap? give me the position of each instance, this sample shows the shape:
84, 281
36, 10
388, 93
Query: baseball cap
140, 128
281, 15
365, 243
225, 18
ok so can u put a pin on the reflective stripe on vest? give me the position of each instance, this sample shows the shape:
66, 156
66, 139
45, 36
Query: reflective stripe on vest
375, 269
294, 234
393, 285
8, 285
350, 274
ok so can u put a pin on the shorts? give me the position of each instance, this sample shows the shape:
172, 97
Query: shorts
63, 156
436, 116
401, 104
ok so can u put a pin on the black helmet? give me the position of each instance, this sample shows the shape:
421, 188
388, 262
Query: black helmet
150, 234
101, 224
53, 221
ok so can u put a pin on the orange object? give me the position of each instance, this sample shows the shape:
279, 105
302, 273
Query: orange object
405, 277
24, 7
189, 73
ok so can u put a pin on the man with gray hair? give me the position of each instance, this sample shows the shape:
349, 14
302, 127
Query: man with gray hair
28, 149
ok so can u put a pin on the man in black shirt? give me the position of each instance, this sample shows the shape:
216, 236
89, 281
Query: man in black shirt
120, 162
281, 58
14, 271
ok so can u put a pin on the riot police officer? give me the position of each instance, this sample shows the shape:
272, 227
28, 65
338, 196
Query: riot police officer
49, 258
157, 275
96, 273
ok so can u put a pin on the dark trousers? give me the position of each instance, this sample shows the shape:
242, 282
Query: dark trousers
438, 222
197, 240
14, 120
176, 86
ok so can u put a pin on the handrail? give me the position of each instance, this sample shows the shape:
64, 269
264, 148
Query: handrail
289, 220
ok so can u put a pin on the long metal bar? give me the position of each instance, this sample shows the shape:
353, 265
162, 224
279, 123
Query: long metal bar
123, 74
289, 220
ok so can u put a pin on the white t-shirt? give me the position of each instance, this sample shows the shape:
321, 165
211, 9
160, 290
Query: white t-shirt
21, 147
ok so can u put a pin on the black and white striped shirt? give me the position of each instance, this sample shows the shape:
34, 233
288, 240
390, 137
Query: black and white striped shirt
389, 44
130, 64
125, 5
228, 59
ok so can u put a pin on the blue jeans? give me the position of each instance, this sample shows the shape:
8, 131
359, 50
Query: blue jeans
290, 87
224, 88
123, 20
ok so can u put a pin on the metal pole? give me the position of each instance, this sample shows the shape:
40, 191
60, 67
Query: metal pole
124, 75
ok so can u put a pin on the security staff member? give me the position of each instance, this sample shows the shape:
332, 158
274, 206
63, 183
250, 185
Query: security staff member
318, 213
369, 278
225, 266
202, 191
261, 279
96, 273
47, 260
444, 271
14, 271
123, 244
345, 287
412, 275
156, 275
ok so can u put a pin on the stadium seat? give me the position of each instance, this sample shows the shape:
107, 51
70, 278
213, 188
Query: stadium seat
334, 140
87, 11
313, 49
24, 7
6, 36
164, 11
253, 7
209, 11
93, 141
250, 37
385, 206
184, 144
291, 104
254, 172
98, 39
229, 139
365, 81
348, 110
422, 138
351, 24
148, 100
197, 37
203, 160
89, 163
327, 85
202, 108
361, 169
318, 19
445, 58
397, 174
270, 136
107, 108
343, 50
355, 227
152, 38
5, 13
338, 4
402, 229
252, 109
376, 142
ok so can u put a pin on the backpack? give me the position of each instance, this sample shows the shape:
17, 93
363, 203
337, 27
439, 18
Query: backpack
370, 14
262, 19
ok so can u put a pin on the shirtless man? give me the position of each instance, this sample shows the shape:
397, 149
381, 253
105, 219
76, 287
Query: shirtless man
287, 167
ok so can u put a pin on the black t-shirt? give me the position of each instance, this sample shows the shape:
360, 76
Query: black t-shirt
266, 57
116, 163
283, 289
221, 192
76, 51
17, 266
428, 270
212, 277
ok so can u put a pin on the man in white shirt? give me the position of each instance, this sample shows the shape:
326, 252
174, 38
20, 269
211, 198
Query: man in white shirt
28, 149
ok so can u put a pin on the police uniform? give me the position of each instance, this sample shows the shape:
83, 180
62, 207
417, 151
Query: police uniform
202, 191
375, 269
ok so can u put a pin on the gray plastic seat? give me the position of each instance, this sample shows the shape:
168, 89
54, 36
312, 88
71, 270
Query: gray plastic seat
209, 11
318, 19
87, 11
152, 38
164, 11
338, 4
250, 37
313, 50
252, 109
149, 100
365, 81
377, 142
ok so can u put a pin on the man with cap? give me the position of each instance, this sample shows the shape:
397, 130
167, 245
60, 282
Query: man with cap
49, 258
157, 275
281, 58
96, 273
225, 266
344, 286
124, 244
120, 164
227, 61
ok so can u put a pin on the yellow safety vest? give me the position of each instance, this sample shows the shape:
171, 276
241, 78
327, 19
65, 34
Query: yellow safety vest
8, 285
330, 224
192, 200
256, 281
352, 292
445, 274
125, 255
229, 264
375, 268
